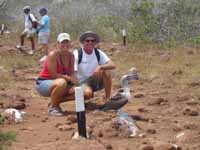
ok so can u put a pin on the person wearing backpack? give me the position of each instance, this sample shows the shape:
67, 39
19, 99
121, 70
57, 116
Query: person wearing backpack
93, 66
44, 32
29, 29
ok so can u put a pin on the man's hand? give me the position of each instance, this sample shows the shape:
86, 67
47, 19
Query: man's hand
97, 71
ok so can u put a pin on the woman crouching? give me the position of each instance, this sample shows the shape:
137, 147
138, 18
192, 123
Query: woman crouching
57, 77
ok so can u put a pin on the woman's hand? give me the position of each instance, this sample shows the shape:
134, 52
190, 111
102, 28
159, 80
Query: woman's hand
74, 80
71, 90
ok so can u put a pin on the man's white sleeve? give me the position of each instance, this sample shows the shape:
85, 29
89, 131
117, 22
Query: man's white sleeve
103, 58
32, 17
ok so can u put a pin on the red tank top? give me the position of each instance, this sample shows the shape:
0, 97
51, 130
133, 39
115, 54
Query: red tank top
44, 73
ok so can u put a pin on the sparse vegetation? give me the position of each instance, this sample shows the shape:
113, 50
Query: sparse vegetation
10, 64
6, 138
2, 119
161, 22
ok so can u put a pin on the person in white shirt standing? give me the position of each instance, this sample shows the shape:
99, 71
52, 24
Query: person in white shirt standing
29, 29
93, 66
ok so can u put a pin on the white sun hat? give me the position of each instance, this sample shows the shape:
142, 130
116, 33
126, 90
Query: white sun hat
63, 36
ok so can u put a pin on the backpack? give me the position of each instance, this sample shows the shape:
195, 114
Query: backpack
80, 55
34, 23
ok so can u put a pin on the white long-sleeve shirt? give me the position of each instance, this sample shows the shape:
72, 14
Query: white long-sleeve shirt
27, 21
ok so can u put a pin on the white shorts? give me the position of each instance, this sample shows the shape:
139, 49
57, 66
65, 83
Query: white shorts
29, 32
43, 37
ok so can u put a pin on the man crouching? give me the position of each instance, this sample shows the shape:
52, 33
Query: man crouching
93, 66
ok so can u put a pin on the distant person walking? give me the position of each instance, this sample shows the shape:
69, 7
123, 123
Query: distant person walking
44, 32
29, 29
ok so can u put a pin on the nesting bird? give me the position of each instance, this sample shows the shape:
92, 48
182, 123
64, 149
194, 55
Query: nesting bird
123, 95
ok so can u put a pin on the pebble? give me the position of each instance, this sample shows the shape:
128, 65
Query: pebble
190, 112
168, 146
142, 135
151, 131
108, 146
142, 110
27, 129
193, 102
158, 101
139, 95
174, 147
151, 121
190, 52
44, 119
57, 138
58, 124
191, 126
100, 133
35, 115
146, 147
194, 84
65, 127
183, 98
177, 72
73, 119
16, 105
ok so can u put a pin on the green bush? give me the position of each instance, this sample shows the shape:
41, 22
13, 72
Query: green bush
165, 22
110, 27
2, 119
6, 139
160, 22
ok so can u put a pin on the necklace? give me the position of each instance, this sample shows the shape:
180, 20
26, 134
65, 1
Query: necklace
64, 61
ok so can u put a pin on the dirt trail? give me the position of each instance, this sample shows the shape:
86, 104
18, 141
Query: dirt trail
165, 114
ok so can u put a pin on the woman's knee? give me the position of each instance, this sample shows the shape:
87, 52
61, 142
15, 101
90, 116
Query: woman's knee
59, 83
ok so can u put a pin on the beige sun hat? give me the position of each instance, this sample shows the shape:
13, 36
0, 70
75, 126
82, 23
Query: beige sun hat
86, 34
63, 36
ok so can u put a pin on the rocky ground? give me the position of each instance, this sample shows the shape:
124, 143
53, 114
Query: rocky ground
167, 116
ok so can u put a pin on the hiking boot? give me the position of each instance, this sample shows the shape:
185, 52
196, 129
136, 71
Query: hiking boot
55, 111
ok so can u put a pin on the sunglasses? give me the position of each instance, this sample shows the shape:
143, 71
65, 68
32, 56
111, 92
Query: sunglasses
65, 42
92, 41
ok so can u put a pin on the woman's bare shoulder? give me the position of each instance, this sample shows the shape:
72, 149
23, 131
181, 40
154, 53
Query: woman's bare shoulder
71, 55
53, 55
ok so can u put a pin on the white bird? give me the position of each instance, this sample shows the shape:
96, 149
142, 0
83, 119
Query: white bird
15, 114
123, 95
